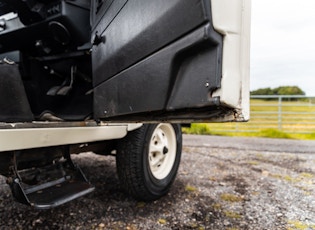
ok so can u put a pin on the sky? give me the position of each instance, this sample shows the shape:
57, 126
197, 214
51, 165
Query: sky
283, 44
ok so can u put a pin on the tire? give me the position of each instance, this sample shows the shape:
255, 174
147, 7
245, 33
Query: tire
148, 159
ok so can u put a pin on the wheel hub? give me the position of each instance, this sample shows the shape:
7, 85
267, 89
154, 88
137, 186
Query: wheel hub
162, 151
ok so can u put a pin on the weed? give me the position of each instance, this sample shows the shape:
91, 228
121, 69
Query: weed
260, 156
217, 206
307, 175
141, 204
291, 179
190, 188
253, 162
162, 221
233, 215
231, 197
298, 225
286, 178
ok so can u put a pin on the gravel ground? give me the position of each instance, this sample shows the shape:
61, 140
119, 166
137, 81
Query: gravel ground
223, 183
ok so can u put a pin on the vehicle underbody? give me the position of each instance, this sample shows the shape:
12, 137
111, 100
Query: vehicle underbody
74, 75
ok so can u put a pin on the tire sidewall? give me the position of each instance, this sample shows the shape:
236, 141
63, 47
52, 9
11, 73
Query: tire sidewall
156, 186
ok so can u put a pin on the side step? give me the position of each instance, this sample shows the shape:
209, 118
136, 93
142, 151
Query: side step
50, 185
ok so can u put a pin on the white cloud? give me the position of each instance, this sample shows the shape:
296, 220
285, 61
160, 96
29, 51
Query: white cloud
283, 44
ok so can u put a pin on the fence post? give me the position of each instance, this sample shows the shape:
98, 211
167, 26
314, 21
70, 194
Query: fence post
280, 112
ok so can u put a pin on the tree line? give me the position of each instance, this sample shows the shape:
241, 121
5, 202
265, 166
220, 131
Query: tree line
282, 90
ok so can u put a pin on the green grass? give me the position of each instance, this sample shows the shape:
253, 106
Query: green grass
274, 133
297, 122
205, 129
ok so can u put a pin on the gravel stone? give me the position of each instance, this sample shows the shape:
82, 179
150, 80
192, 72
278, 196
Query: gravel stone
268, 184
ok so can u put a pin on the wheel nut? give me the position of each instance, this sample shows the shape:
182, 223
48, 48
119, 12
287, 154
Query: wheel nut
165, 150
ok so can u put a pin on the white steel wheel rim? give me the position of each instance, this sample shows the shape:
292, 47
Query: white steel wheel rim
162, 151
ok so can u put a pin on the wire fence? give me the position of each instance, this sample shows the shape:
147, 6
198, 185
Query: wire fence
290, 114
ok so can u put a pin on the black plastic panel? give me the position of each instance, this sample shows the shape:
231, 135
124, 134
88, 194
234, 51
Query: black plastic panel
140, 29
99, 10
180, 76
14, 106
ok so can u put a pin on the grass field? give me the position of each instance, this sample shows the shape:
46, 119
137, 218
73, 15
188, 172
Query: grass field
288, 119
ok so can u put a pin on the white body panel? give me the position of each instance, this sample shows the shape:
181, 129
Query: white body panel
27, 138
232, 20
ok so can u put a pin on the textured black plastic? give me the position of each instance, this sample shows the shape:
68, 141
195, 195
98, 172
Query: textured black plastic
157, 58
180, 76
14, 106
140, 29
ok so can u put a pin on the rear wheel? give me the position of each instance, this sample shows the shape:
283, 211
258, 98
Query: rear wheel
148, 159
